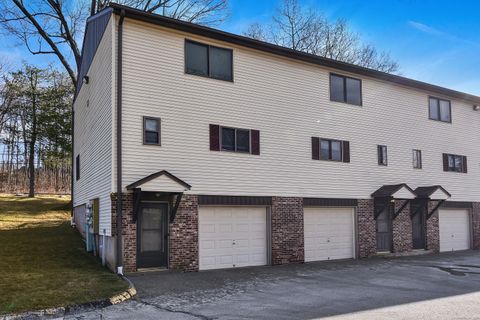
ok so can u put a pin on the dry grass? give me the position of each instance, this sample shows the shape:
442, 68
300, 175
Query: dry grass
42, 259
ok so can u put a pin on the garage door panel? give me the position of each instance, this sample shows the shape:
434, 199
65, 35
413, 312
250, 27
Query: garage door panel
454, 225
329, 233
239, 236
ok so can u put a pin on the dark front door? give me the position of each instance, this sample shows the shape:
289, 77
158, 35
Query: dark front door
418, 230
384, 235
152, 228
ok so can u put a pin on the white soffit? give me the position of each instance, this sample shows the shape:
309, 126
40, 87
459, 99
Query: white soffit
404, 193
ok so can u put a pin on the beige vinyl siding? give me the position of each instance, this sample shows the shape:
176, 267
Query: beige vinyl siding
93, 132
288, 101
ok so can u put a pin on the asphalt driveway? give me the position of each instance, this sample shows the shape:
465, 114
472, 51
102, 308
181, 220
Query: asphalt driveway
444, 286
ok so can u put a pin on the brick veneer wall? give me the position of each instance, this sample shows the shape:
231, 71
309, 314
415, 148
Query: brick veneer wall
129, 230
287, 230
476, 225
183, 245
366, 226
402, 229
433, 229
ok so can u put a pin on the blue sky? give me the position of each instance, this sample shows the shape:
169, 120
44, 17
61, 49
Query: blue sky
433, 41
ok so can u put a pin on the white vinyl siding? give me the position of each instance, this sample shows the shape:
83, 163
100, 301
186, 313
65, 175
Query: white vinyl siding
288, 101
329, 233
454, 229
93, 132
231, 237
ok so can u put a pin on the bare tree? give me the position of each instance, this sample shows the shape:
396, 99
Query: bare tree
307, 30
55, 27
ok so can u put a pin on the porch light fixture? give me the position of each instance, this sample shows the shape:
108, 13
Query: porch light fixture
86, 79
476, 107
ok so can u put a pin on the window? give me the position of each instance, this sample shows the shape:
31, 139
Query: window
332, 150
151, 130
454, 163
345, 89
417, 159
440, 110
382, 155
235, 140
77, 167
208, 61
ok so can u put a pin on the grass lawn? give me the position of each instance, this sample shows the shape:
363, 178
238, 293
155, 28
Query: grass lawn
42, 259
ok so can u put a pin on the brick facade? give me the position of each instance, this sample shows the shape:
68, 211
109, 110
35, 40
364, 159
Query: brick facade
402, 229
287, 230
129, 230
433, 229
476, 225
183, 245
366, 228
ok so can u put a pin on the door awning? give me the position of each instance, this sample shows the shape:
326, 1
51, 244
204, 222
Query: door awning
162, 181
397, 191
432, 193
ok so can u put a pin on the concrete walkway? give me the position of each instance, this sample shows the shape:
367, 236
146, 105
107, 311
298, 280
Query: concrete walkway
445, 286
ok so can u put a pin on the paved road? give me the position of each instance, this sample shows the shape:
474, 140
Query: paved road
445, 286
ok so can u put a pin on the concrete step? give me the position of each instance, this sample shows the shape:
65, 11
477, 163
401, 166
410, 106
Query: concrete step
418, 252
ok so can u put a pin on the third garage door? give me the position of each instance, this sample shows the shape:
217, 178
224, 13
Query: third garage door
232, 237
454, 229
329, 233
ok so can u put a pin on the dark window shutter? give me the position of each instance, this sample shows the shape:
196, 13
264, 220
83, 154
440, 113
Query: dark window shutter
464, 160
214, 137
379, 154
315, 148
255, 136
346, 151
445, 162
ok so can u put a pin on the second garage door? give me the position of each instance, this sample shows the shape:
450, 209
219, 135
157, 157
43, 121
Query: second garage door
232, 237
329, 233
454, 229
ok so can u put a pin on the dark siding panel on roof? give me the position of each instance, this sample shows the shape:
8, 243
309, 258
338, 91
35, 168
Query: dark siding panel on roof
95, 29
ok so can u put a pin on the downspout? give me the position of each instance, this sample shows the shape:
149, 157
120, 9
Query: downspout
72, 176
119, 144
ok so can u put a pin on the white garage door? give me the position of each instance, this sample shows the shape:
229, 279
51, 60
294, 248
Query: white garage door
329, 233
454, 229
232, 237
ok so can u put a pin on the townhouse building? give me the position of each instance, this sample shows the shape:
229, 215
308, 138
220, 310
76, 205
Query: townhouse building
198, 149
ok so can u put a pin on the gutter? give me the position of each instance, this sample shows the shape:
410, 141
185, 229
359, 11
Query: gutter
119, 257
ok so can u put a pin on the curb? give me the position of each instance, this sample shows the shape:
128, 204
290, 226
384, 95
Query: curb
53, 313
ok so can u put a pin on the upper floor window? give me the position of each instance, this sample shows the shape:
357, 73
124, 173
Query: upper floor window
234, 139
208, 61
382, 155
417, 159
345, 89
330, 150
151, 130
77, 167
440, 109
454, 162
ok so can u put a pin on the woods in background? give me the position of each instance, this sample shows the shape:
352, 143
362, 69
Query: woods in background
35, 131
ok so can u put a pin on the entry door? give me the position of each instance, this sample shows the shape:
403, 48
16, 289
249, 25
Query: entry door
152, 249
418, 230
384, 236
